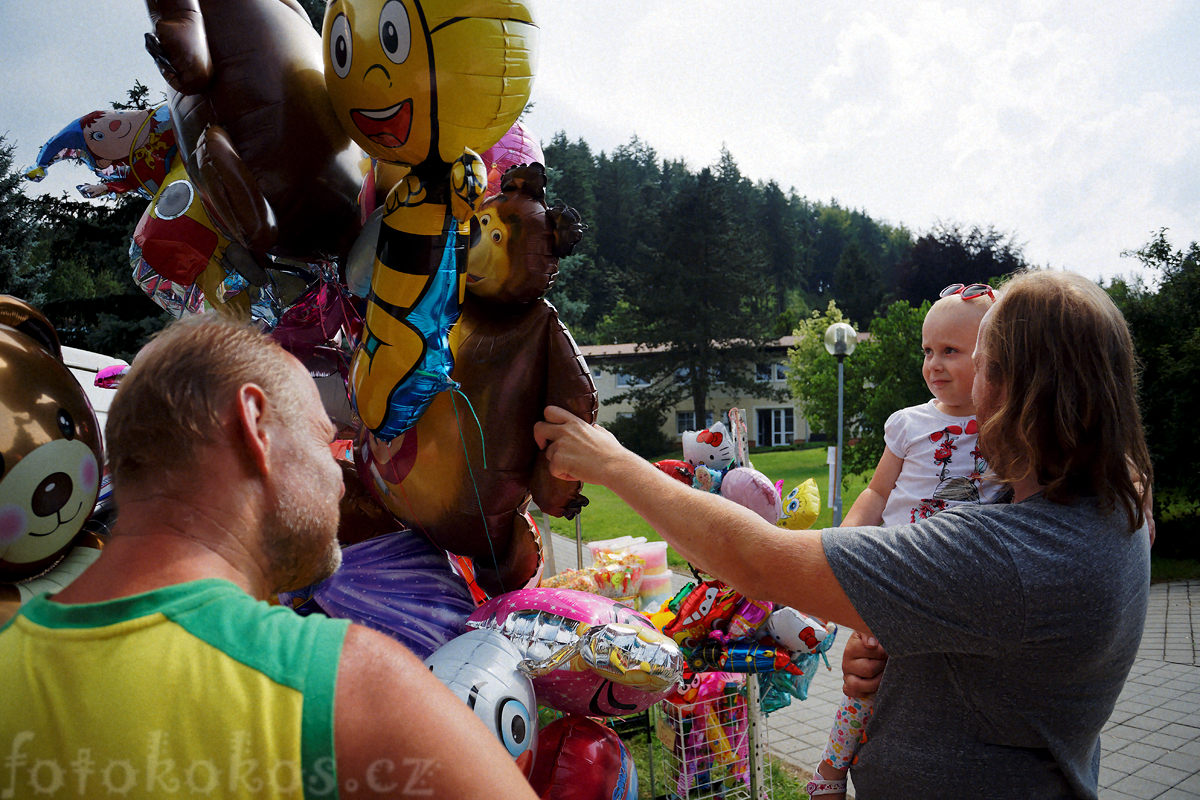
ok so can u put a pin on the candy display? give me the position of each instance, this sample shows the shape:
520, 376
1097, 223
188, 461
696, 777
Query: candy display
615, 575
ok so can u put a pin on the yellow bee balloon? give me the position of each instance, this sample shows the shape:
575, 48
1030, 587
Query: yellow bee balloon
420, 80
425, 84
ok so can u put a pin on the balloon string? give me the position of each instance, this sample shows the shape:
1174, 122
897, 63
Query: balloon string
471, 473
471, 408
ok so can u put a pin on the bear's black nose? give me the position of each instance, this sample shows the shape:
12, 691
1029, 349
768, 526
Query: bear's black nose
52, 494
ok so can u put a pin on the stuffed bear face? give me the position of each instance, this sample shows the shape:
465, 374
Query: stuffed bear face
50, 456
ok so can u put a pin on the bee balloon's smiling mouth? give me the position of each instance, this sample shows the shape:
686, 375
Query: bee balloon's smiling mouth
388, 127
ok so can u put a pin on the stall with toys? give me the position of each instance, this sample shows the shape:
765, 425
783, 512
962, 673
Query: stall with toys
741, 658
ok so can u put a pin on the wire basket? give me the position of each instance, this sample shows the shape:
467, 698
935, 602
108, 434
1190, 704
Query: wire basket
708, 751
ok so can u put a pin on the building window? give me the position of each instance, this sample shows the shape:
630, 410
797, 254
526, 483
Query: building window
776, 426
686, 420
597, 372
770, 373
624, 415
625, 381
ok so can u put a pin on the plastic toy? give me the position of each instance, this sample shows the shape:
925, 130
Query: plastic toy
750, 488
397, 583
801, 507
799, 632
515, 148
126, 150
255, 128
699, 611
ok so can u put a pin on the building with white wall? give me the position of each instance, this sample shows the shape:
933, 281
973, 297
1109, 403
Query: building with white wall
769, 422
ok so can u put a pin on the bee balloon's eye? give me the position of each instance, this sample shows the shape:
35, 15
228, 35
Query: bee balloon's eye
394, 33
66, 425
514, 725
341, 46
497, 236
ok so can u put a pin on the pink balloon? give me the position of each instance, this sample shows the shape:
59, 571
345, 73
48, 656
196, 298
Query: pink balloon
515, 148
581, 691
752, 489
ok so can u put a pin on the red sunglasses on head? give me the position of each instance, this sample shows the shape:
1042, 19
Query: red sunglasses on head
968, 291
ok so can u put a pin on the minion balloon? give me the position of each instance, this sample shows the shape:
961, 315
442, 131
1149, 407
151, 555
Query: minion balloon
424, 84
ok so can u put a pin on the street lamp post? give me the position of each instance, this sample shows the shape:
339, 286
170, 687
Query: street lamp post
840, 341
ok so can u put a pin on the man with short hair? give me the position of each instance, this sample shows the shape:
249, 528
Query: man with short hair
161, 672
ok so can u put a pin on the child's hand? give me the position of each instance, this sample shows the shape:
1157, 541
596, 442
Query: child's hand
862, 666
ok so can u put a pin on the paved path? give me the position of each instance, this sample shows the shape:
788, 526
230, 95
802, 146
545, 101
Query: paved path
1150, 747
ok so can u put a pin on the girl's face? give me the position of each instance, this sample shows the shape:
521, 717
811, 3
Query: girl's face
948, 339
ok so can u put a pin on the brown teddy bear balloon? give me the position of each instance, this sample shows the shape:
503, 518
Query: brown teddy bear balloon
465, 473
50, 461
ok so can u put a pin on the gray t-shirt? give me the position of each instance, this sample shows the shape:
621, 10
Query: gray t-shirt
1010, 631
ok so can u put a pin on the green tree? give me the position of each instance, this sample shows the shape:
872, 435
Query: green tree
697, 305
628, 187
858, 281
15, 224
948, 254
882, 376
783, 245
812, 372
1166, 335
580, 285
138, 98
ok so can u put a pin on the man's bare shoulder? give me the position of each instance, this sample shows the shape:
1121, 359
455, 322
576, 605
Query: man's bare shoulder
398, 731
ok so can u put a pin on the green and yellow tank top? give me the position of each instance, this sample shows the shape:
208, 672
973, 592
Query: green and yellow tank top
191, 690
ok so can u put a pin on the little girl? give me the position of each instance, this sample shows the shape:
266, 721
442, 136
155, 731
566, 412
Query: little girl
931, 461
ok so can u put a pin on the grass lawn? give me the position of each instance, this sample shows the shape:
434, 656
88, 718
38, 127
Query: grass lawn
607, 517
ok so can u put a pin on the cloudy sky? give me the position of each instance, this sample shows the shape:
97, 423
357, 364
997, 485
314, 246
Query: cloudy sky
1073, 126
